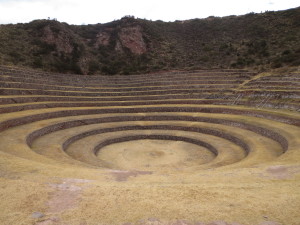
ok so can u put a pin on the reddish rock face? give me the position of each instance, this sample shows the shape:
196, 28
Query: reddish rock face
132, 38
119, 47
128, 37
61, 40
102, 39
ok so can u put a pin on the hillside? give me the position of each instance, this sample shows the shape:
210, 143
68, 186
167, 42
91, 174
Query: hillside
130, 45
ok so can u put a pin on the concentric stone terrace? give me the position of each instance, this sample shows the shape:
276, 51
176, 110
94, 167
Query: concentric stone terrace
166, 128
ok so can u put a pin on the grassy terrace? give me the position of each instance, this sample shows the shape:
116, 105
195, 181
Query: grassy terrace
202, 147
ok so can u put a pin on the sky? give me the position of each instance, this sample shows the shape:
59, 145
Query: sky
100, 11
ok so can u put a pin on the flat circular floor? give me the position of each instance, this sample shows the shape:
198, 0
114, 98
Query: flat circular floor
155, 155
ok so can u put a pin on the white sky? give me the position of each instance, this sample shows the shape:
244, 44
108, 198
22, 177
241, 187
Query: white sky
102, 11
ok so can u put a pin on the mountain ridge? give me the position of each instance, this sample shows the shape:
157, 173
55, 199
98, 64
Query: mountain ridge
131, 45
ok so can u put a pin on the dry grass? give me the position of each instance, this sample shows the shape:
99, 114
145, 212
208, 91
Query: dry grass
151, 182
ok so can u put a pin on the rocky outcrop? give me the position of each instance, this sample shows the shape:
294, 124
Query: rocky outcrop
132, 38
61, 40
102, 38
119, 47
129, 37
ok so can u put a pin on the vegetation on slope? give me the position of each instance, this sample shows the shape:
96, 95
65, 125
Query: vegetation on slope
127, 46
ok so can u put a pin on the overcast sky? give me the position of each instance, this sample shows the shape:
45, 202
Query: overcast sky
100, 11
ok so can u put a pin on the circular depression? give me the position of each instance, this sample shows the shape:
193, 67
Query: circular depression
151, 154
